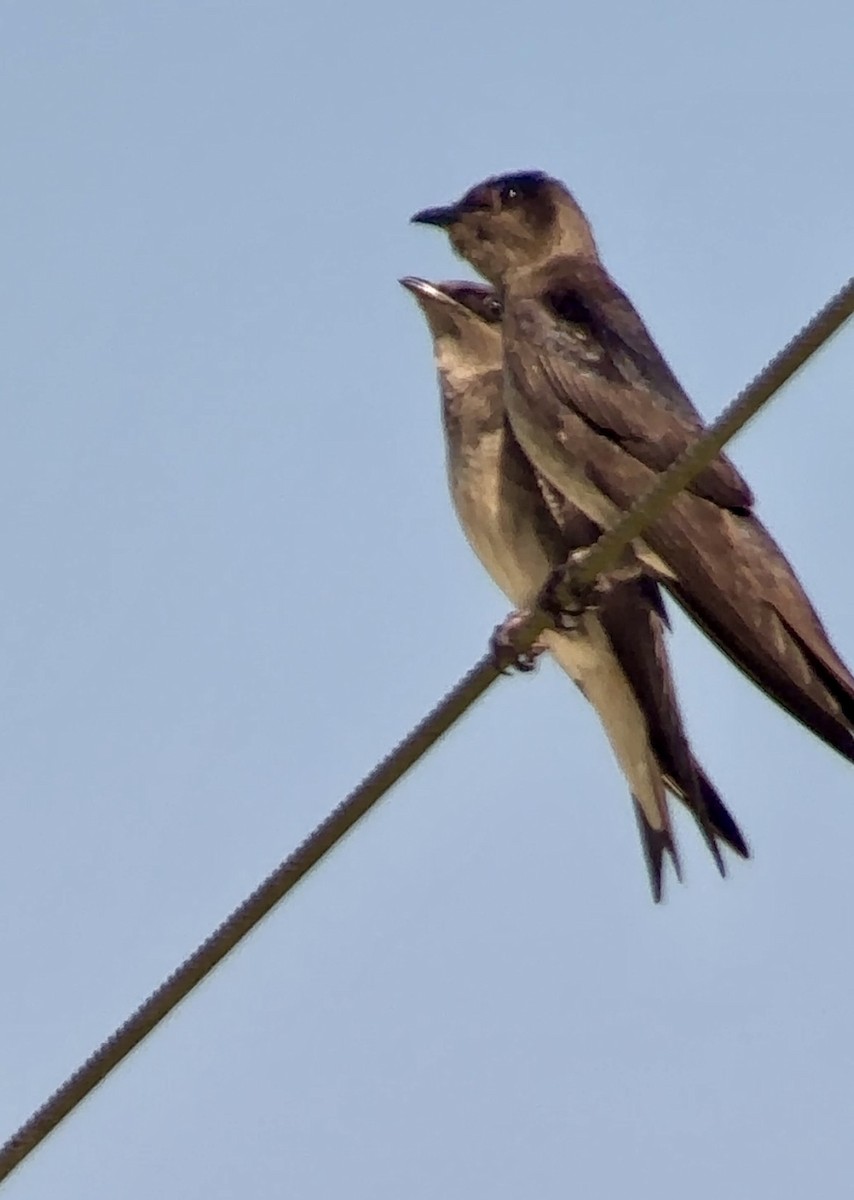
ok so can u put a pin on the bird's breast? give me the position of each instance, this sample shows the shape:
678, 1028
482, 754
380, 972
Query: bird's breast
500, 518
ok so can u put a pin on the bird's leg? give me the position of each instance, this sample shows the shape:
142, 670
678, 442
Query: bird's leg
505, 652
566, 601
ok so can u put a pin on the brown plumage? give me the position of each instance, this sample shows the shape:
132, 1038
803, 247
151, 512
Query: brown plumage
522, 529
600, 414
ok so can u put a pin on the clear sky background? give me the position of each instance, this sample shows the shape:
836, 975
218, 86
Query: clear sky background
232, 580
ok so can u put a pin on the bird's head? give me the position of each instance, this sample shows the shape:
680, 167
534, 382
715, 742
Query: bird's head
464, 318
513, 221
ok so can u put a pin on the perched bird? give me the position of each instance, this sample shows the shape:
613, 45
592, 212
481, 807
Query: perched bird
600, 414
521, 530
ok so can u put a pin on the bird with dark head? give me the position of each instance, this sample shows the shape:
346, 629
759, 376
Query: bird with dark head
522, 530
600, 414
511, 221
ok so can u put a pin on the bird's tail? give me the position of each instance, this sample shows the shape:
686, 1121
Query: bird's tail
589, 659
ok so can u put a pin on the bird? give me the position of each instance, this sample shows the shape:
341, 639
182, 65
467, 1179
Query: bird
600, 414
521, 529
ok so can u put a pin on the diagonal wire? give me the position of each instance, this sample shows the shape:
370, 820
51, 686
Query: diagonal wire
602, 557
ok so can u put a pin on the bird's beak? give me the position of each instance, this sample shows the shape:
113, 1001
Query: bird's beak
441, 311
422, 289
442, 218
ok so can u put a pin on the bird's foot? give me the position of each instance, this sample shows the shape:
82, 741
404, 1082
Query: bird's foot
563, 600
503, 645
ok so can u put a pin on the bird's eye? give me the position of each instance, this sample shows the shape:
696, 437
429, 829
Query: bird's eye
509, 193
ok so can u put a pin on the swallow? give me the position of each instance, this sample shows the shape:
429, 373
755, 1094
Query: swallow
600, 414
522, 530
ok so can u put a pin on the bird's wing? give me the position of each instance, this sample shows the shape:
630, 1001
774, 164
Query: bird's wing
601, 396
592, 350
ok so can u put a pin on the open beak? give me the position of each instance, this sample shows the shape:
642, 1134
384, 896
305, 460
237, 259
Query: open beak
422, 288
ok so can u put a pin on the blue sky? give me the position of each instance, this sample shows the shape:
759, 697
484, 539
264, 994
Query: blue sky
233, 580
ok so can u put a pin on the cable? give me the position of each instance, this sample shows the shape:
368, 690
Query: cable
387, 773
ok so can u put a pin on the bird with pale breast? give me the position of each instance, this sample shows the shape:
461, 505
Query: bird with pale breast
522, 530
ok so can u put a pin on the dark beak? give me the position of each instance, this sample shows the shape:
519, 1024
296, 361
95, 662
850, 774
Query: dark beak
441, 217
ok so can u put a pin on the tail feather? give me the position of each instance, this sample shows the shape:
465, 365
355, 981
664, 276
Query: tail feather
723, 822
656, 843
589, 657
636, 624
714, 820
